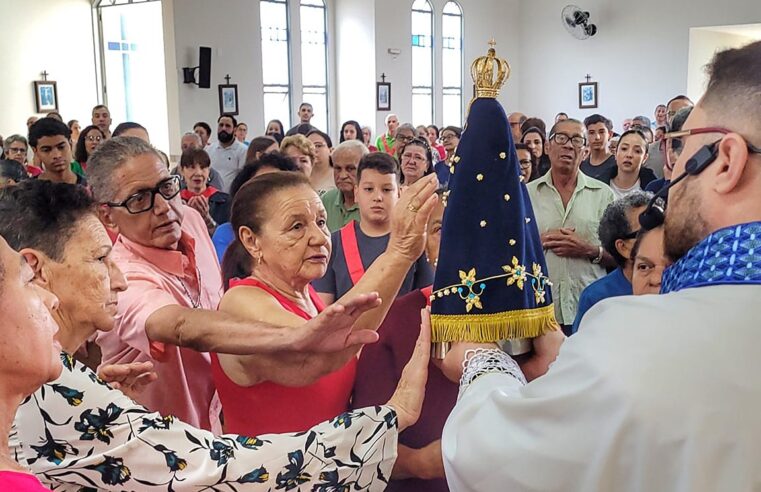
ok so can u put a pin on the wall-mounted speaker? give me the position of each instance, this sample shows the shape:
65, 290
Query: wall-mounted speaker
204, 70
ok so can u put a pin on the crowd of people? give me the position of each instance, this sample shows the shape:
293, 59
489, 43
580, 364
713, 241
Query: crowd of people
210, 315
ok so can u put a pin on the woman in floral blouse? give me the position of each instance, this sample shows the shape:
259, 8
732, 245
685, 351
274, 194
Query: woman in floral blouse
78, 432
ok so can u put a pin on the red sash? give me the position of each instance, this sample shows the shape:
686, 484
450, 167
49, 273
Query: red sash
351, 252
386, 149
186, 194
427, 291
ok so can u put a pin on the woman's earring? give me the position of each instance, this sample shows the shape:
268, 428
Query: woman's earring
258, 260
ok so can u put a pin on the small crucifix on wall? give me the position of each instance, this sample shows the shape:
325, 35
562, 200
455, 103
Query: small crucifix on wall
383, 94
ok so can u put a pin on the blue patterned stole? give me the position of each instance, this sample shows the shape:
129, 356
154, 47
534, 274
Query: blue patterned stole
728, 256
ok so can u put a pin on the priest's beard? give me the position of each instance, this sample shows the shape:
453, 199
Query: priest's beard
684, 226
225, 137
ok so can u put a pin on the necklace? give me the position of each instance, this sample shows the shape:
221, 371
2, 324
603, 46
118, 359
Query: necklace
195, 303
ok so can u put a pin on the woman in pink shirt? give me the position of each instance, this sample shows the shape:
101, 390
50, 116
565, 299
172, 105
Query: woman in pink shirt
28, 354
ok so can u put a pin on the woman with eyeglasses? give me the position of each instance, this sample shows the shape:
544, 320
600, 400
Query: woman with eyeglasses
618, 230
88, 141
416, 161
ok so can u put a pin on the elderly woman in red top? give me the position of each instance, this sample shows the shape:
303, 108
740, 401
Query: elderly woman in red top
283, 244
28, 354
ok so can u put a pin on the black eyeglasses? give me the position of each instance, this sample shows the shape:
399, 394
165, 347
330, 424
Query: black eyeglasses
563, 138
142, 201
405, 139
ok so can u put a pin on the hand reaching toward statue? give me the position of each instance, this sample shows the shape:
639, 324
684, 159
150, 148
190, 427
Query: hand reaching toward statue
410, 217
407, 400
131, 379
331, 330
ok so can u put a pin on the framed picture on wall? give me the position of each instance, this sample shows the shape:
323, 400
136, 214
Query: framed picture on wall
587, 95
383, 96
228, 99
45, 96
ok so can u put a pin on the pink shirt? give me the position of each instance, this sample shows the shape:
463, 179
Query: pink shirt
159, 278
20, 482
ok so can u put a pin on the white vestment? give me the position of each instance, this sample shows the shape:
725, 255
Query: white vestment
654, 393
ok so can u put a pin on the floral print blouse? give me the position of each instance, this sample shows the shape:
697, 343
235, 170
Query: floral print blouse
77, 433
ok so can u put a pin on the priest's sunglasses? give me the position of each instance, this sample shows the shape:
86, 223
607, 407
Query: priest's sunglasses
563, 138
143, 200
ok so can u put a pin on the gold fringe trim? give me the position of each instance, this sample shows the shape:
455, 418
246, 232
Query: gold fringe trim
484, 328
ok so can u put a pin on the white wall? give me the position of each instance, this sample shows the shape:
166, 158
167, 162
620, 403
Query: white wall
482, 19
52, 35
704, 43
233, 35
639, 56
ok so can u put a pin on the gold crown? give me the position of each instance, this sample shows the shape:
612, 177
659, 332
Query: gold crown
483, 72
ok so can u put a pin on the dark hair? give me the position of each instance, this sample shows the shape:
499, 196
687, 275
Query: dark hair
644, 231
677, 122
734, 85
634, 131
47, 127
127, 125
534, 160
80, 152
534, 129
680, 97
379, 161
235, 122
242, 123
614, 223
70, 123
247, 208
101, 106
643, 130
274, 160
534, 123
564, 122
598, 118
420, 142
305, 104
435, 130
356, 126
191, 157
41, 214
324, 136
662, 128
454, 129
203, 125
11, 169
303, 129
564, 114
257, 146
280, 135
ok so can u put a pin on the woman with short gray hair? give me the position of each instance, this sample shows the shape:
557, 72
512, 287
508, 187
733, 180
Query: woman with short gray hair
617, 231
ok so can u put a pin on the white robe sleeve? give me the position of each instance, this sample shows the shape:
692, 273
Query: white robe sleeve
544, 436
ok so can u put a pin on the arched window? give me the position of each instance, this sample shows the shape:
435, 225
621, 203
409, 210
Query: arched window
451, 64
422, 63
276, 73
314, 59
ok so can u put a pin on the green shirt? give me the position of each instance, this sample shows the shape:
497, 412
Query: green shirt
570, 276
338, 215
77, 168
390, 141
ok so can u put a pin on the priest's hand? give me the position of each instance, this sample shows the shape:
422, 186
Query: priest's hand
331, 330
131, 379
410, 217
407, 400
546, 348
451, 366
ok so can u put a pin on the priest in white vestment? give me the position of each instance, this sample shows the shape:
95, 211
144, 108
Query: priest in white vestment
655, 393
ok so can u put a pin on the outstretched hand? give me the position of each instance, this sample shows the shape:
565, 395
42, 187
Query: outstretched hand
332, 330
410, 217
407, 400
131, 379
